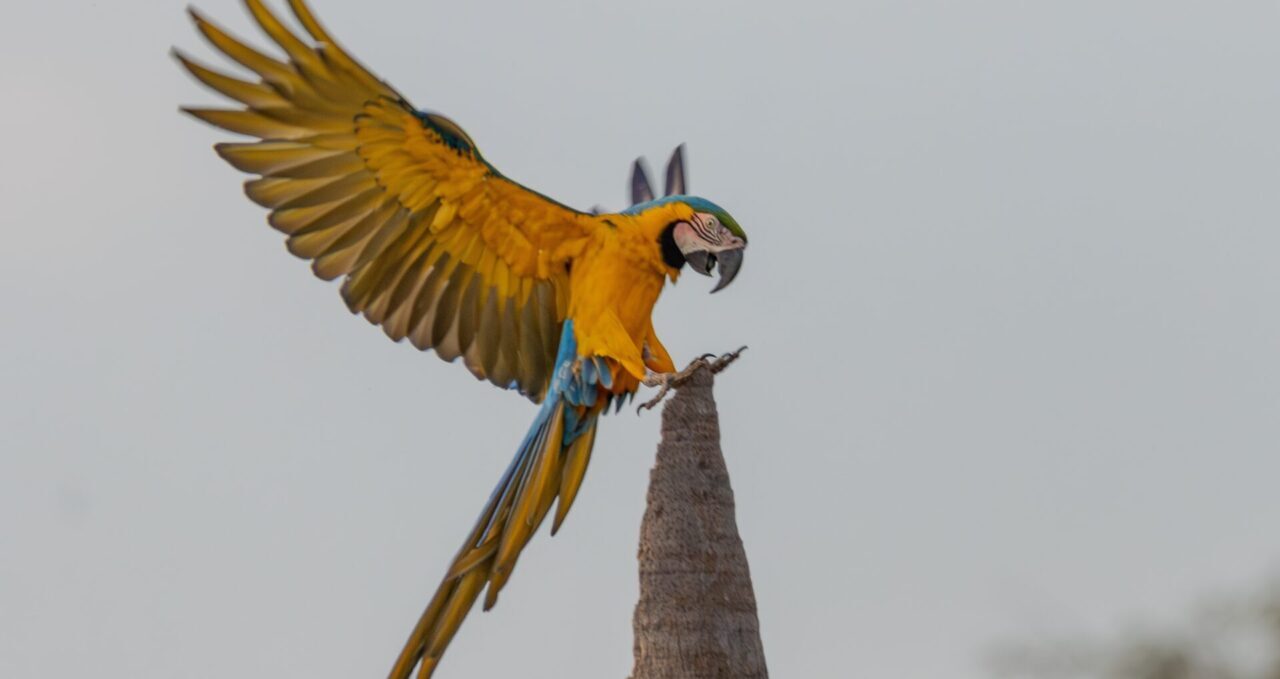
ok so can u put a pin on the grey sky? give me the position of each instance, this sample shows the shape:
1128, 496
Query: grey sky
1011, 301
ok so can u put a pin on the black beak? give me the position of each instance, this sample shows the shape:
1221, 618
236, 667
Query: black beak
730, 261
704, 262
701, 261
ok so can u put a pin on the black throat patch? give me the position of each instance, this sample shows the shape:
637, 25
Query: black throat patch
670, 251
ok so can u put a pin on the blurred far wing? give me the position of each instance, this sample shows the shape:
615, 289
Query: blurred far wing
676, 184
641, 189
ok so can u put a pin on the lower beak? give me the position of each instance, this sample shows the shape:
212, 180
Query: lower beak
701, 261
730, 261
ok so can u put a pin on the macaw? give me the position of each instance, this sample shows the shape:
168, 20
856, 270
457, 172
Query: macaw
435, 245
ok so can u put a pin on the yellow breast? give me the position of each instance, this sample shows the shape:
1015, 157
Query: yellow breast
613, 287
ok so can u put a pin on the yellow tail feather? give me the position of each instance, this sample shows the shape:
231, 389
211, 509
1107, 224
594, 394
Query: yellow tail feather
543, 470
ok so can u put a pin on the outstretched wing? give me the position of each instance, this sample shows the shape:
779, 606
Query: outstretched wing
434, 243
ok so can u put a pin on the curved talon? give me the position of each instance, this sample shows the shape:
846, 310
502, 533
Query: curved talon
668, 381
648, 405
725, 360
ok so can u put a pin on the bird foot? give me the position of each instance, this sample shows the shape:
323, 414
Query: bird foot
668, 381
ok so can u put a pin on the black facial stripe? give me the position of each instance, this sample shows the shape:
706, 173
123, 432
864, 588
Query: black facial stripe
705, 232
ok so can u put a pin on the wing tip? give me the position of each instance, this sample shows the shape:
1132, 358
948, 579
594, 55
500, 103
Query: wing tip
186, 61
196, 15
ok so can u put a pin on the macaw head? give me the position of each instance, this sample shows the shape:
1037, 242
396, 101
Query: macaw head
707, 238
699, 232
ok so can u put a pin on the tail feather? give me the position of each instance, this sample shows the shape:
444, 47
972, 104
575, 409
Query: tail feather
550, 463
544, 468
572, 472
549, 443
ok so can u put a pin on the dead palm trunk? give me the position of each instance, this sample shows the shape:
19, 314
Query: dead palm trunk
696, 618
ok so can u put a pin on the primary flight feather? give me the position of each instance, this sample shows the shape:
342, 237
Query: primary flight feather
436, 245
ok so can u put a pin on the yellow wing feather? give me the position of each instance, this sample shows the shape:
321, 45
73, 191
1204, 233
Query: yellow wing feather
435, 245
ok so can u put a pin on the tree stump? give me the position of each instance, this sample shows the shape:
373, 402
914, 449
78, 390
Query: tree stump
696, 618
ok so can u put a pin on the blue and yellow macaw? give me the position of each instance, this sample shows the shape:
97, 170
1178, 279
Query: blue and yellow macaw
436, 245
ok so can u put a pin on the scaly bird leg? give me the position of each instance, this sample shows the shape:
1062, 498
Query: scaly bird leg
668, 381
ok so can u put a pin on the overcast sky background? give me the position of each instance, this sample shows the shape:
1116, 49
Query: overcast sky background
1011, 298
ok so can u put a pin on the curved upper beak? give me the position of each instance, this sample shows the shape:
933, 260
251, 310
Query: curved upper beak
730, 261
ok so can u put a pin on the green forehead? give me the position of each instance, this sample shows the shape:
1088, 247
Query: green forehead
704, 205
731, 224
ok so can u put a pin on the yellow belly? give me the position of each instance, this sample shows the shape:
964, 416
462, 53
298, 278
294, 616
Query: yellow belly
612, 290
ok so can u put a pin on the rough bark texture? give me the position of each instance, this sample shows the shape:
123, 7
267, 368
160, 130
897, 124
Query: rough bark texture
696, 618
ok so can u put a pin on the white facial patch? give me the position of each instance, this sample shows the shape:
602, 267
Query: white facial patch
714, 236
